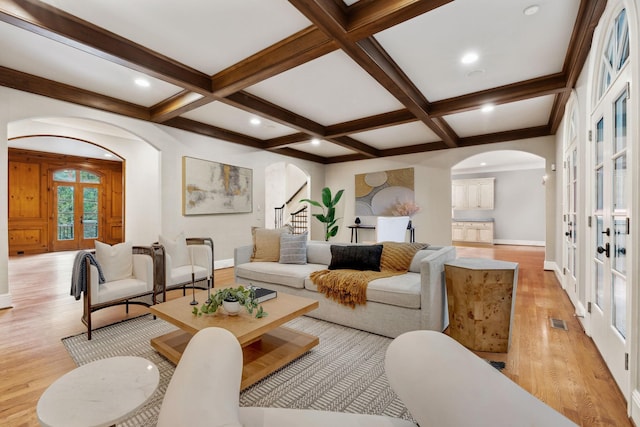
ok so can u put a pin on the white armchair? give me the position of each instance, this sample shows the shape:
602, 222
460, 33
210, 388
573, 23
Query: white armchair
444, 384
391, 228
184, 256
214, 353
129, 273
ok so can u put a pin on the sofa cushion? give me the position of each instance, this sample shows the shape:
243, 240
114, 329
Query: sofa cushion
318, 252
356, 257
402, 290
266, 243
292, 275
293, 248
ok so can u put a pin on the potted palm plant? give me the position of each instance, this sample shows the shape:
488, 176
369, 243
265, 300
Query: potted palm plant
328, 215
232, 299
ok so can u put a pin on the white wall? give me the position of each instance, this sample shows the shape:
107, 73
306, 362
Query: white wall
519, 206
153, 174
433, 187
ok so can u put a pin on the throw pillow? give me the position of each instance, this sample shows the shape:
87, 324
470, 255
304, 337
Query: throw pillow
266, 243
177, 249
293, 248
356, 257
115, 261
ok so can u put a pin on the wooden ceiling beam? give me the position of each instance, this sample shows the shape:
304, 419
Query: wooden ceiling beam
511, 135
368, 18
392, 118
247, 102
291, 152
52, 89
548, 85
214, 132
304, 46
178, 104
372, 58
286, 140
57, 25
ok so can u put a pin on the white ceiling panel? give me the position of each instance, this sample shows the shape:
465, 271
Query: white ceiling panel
397, 136
324, 149
516, 115
227, 117
511, 46
206, 35
30, 53
329, 90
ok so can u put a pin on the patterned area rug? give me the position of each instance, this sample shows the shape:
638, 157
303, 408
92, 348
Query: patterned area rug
344, 373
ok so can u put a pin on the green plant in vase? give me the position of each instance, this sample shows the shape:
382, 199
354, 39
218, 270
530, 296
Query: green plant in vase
230, 297
328, 215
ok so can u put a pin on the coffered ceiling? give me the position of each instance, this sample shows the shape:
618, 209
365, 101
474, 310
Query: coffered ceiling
365, 79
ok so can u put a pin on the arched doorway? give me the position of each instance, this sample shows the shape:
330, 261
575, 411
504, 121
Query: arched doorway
517, 209
285, 185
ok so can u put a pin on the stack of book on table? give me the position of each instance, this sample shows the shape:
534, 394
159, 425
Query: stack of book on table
263, 294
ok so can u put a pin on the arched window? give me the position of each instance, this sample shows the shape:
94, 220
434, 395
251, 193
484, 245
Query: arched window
615, 54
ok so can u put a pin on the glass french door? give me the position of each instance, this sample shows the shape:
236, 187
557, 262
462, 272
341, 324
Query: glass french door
611, 293
611, 194
571, 223
76, 204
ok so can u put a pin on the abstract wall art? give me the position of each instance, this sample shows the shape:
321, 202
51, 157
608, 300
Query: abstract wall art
377, 193
215, 188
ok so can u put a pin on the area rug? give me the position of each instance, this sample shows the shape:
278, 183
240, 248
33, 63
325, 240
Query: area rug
344, 373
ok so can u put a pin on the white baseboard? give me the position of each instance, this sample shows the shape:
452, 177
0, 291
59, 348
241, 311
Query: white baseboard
518, 242
223, 263
5, 301
635, 407
552, 266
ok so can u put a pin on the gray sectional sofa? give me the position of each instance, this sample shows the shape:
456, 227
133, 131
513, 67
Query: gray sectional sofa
410, 301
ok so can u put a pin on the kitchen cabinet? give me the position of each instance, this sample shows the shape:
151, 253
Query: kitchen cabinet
476, 193
472, 231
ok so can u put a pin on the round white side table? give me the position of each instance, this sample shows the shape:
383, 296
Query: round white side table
100, 393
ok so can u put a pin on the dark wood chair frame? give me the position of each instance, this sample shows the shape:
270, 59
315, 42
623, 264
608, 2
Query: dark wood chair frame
156, 252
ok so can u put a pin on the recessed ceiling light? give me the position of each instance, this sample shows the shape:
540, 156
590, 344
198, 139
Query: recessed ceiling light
487, 108
255, 121
315, 141
142, 82
531, 10
483, 164
469, 58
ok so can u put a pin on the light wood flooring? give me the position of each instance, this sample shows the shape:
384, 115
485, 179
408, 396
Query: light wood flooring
562, 368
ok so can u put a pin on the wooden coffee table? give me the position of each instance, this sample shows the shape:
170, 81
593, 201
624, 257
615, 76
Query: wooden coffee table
266, 344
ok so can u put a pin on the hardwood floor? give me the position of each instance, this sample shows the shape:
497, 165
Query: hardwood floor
562, 368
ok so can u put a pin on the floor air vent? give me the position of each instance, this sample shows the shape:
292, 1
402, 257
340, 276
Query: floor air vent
558, 324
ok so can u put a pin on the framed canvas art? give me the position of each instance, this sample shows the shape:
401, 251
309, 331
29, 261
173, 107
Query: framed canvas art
215, 188
379, 193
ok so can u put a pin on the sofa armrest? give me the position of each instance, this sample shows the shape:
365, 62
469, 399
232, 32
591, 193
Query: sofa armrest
433, 294
205, 387
242, 254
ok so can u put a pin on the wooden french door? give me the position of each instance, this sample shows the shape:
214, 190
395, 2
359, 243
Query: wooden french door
76, 209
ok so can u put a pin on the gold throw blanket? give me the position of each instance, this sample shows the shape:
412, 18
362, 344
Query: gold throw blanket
349, 287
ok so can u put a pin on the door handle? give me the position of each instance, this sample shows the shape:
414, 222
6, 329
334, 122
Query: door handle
607, 232
81, 219
606, 250
568, 234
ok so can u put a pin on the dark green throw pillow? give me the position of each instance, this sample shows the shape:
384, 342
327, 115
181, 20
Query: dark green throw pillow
356, 257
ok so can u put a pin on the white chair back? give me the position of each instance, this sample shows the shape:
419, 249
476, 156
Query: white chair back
391, 228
